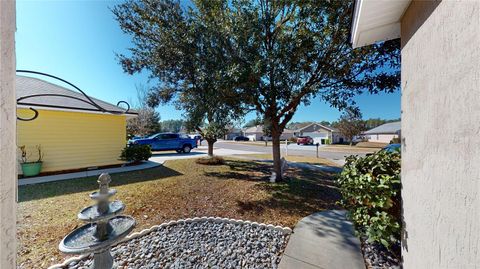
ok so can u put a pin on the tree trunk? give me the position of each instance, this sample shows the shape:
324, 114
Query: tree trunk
210, 146
277, 165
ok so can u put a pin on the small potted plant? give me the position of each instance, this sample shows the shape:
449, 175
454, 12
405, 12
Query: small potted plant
30, 169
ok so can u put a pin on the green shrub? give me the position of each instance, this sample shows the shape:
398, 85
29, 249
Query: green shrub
136, 153
328, 141
370, 188
214, 160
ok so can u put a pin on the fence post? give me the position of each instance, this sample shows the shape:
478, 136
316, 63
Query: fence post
317, 148
286, 147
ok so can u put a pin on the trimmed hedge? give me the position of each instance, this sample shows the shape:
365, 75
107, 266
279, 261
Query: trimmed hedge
370, 188
136, 153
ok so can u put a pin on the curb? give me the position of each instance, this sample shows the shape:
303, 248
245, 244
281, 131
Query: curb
284, 230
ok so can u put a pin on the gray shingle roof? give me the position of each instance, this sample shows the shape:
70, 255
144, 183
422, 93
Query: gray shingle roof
319, 125
255, 129
26, 86
387, 128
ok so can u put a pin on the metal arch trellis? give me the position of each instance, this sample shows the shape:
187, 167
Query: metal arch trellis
88, 101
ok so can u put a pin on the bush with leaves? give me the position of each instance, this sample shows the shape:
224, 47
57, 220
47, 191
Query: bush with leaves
370, 188
136, 153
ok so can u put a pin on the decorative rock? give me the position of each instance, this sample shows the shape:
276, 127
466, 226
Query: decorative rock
377, 256
200, 244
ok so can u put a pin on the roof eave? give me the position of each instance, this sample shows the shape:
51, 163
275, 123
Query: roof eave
374, 21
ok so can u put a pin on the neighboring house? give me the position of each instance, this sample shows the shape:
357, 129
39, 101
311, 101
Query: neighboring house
255, 133
232, 133
383, 133
321, 133
287, 134
440, 50
73, 135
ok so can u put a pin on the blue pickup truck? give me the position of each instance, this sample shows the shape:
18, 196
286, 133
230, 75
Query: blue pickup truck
182, 143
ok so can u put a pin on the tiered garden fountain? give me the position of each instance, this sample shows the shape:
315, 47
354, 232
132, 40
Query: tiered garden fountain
106, 227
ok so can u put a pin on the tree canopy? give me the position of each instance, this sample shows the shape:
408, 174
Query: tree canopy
148, 120
271, 56
288, 52
350, 124
181, 48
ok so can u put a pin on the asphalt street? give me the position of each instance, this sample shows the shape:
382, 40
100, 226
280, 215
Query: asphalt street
301, 150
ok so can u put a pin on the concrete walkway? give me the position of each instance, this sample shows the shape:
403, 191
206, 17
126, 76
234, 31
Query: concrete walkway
44, 179
323, 240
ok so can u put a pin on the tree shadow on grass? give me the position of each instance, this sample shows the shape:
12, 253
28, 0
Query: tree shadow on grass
303, 192
244, 170
56, 188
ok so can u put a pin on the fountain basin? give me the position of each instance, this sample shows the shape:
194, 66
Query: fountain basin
91, 213
83, 240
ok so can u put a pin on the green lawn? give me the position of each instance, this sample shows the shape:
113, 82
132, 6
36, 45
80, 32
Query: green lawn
179, 189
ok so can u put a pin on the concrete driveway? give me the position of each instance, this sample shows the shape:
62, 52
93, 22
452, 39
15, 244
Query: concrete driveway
293, 149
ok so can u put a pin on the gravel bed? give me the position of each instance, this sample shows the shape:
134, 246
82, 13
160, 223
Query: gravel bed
200, 245
377, 256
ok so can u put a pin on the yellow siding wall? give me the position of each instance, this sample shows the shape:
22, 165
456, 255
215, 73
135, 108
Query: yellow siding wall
72, 140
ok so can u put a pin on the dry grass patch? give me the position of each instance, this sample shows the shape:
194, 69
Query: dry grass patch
213, 160
292, 158
180, 189
349, 149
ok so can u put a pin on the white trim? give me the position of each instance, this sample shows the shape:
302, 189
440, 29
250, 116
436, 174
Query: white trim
370, 24
356, 15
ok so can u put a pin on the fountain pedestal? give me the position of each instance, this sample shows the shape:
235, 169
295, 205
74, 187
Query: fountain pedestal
105, 227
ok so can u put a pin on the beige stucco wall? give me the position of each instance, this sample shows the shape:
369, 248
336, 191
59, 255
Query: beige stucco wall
441, 166
8, 147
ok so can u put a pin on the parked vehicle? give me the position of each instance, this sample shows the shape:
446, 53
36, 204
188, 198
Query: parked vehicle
168, 141
389, 148
196, 137
392, 148
304, 140
241, 138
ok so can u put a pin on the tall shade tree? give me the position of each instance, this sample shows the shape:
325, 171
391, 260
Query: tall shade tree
173, 126
182, 49
350, 124
147, 121
288, 52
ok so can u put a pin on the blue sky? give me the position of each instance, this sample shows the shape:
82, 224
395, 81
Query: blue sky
77, 41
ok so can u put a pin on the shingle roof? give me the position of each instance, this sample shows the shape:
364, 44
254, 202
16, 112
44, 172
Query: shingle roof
387, 128
26, 86
322, 126
254, 129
